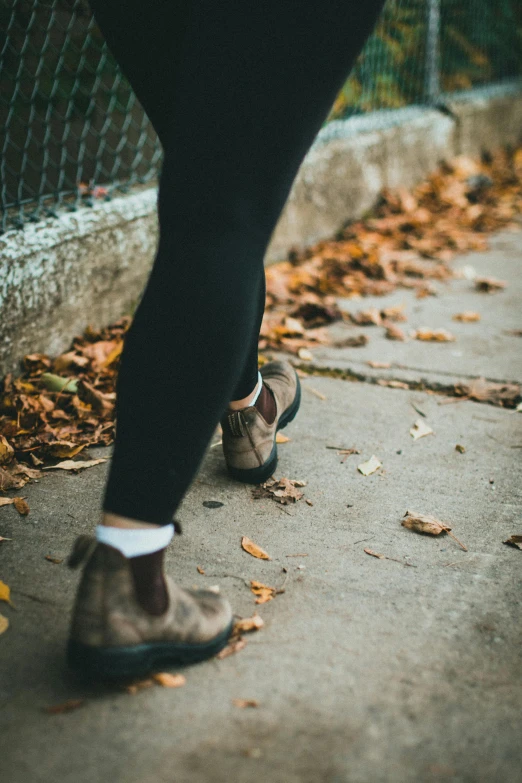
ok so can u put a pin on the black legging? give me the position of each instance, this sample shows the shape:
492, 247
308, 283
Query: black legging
237, 91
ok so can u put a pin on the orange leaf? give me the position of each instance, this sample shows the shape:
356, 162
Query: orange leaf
254, 549
21, 506
167, 680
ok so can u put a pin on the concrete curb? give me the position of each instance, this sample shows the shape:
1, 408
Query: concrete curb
89, 266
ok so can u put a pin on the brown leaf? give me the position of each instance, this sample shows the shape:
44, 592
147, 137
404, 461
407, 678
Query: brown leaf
352, 342
167, 680
461, 449
6, 451
367, 317
66, 706
468, 316
6, 501
434, 335
505, 395
263, 592
200, 570
21, 506
247, 624
71, 464
379, 365
4, 624
375, 554
63, 448
395, 333
489, 285
242, 703
282, 490
233, 647
514, 540
423, 523
253, 549
55, 560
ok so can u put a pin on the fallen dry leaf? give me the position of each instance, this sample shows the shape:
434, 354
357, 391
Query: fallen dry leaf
424, 523
352, 342
253, 549
370, 466
5, 539
282, 490
66, 706
71, 464
489, 285
263, 593
379, 365
247, 624
395, 333
460, 448
280, 438
242, 703
21, 506
167, 680
55, 560
375, 554
305, 354
200, 570
505, 395
4, 624
5, 593
468, 316
514, 540
6, 450
233, 647
434, 335
6, 501
420, 429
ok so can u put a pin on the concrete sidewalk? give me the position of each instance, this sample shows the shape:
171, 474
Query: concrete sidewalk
367, 670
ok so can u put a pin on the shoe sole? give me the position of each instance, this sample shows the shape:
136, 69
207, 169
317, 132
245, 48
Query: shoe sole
267, 469
138, 660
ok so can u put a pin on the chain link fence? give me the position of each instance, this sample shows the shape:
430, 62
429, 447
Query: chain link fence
73, 131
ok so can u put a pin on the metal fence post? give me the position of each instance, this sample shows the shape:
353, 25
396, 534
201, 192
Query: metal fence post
432, 74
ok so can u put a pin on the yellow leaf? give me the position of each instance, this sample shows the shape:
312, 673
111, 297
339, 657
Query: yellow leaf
434, 335
254, 623
5, 592
4, 624
254, 549
263, 592
468, 316
280, 438
167, 680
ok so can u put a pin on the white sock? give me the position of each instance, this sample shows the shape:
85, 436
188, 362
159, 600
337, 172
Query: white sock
259, 387
136, 541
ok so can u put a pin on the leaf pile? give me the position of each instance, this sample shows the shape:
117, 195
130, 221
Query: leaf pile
408, 242
59, 407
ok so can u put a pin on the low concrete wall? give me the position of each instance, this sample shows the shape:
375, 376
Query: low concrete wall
90, 266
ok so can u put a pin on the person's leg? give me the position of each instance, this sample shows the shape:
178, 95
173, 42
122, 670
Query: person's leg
237, 107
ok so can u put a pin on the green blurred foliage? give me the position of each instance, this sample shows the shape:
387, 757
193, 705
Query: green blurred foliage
480, 41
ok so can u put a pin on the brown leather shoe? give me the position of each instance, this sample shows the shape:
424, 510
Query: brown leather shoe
113, 637
249, 442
